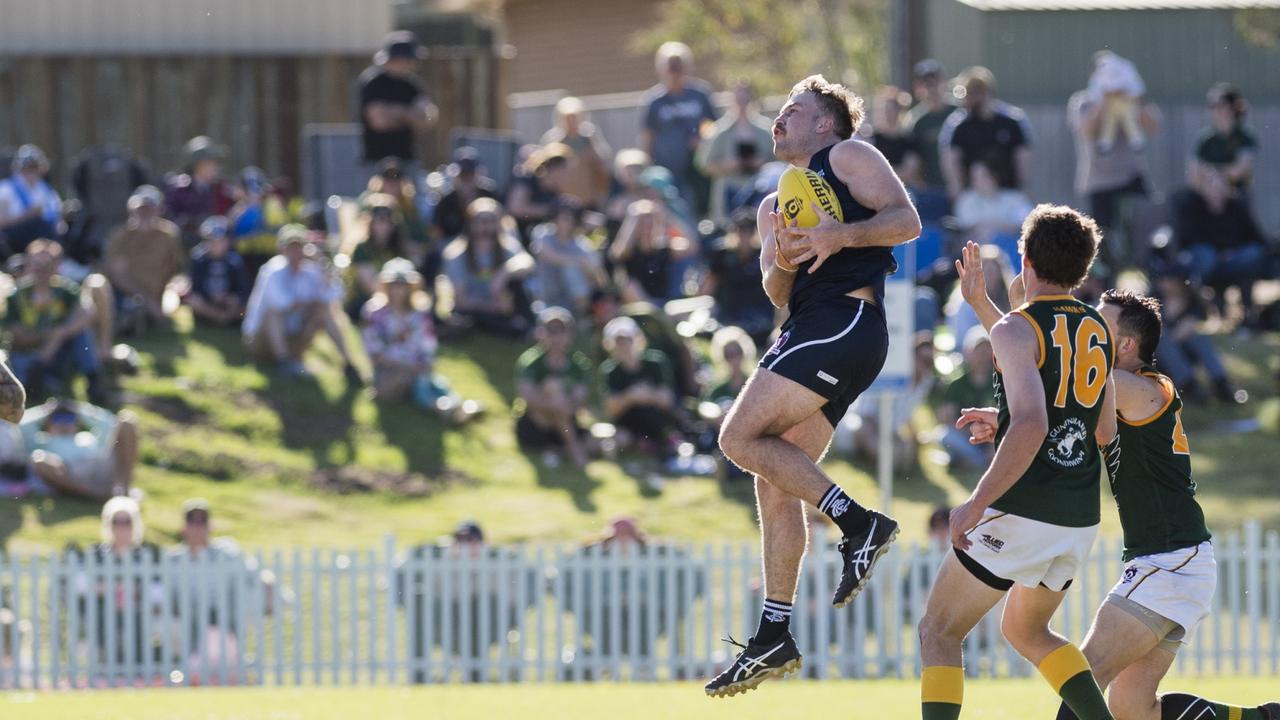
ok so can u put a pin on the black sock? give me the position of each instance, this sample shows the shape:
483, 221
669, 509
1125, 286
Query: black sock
851, 517
1181, 706
1064, 713
775, 621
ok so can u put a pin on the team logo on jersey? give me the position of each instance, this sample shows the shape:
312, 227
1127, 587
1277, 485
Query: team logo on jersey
777, 344
1067, 443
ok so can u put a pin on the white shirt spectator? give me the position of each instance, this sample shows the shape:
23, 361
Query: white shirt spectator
1004, 208
278, 288
17, 197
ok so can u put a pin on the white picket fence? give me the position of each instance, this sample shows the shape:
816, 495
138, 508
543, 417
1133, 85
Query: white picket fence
521, 614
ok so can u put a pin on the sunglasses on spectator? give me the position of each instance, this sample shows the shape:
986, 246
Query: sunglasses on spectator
122, 521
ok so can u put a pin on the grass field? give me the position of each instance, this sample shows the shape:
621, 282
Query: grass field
991, 699
288, 462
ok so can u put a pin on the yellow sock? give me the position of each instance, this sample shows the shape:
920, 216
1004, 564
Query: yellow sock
941, 692
1068, 673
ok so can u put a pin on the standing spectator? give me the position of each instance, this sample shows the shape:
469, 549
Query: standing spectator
393, 105
48, 322
122, 537
987, 213
588, 170
675, 113
82, 450
292, 300
970, 388
103, 179
534, 195
468, 182
400, 340
199, 191
553, 383
892, 137
647, 253
1219, 240
142, 257
1227, 145
29, 206
736, 281
924, 125
639, 388
986, 130
1184, 346
568, 268
487, 269
731, 155
1110, 169
219, 287
734, 356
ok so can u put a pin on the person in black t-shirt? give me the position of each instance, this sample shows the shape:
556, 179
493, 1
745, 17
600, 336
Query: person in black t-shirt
393, 105
986, 130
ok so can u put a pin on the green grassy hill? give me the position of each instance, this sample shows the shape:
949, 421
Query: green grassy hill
287, 461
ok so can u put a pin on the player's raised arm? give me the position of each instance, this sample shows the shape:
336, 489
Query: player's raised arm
1016, 347
779, 275
13, 398
973, 286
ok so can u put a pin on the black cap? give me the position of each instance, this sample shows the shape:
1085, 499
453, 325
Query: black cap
468, 530
400, 45
465, 159
927, 67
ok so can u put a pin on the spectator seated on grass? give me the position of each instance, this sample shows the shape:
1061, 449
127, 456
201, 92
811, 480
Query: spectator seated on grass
1219, 240
639, 390
488, 268
29, 206
660, 334
200, 190
533, 195
262, 209
1228, 146
647, 254
142, 258
1184, 345
588, 170
988, 214
553, 382
732, 153
81, 450
292, 300
400, 340
391, 184
628, 165
734, 357
386, 241
48, 321
969, 388
735, 280
219, 288
568, 267
467, 182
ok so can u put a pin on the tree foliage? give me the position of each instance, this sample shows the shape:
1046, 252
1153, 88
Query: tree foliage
1259, 26
772, 43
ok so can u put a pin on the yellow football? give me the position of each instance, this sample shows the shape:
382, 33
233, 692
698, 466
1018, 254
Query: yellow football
799, 189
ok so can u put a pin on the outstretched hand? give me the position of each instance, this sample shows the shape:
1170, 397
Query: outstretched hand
815, 243
973, 281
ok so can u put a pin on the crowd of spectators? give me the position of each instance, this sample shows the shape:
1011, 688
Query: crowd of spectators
633, 273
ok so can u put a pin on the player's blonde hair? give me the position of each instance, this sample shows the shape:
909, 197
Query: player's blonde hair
838, 101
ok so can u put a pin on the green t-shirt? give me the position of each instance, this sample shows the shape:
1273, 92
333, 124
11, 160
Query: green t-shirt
1150, 470
1221, 150
533, 366
925, 126
23, 312
653, 369
725, 390
1061, 485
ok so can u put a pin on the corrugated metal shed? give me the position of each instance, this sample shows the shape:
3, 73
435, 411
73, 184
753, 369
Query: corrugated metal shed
187, 27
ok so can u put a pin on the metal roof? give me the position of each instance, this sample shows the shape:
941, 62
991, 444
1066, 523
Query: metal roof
1120, 4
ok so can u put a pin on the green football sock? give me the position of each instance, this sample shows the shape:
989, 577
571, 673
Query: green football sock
1067, 671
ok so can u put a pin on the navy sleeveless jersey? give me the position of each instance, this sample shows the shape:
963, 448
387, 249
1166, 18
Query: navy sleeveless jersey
849, 269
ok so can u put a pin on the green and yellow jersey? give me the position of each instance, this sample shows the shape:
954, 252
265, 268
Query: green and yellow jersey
1149, 464
1061, 486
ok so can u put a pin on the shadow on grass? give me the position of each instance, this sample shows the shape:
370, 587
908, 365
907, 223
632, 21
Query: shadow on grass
416, 433
49, 510
574, 480
310, 421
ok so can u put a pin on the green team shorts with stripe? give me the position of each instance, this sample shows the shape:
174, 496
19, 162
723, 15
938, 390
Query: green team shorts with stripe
1010, 549
1172, 592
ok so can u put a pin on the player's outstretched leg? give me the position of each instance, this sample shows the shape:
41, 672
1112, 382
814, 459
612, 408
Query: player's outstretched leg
769, 405
1182, 705
772, 652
